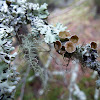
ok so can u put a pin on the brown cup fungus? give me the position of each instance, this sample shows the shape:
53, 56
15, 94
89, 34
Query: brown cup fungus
62, 50
57, 45
64, 36
94, 45
70, 47
64, 39
74, 39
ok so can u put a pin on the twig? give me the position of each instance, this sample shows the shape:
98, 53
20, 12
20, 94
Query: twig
96, 94
49, 60
97, 91
80, 94
46, 72
24, 83
73, 84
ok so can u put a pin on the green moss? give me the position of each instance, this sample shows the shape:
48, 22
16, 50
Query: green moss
17, 94
29, 96
54, 92
88, 86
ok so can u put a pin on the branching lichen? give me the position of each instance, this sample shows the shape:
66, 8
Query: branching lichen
29, 47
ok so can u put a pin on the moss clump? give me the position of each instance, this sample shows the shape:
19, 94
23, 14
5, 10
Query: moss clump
88, 86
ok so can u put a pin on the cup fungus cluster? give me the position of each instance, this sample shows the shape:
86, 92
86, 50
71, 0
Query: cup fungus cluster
66, 43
